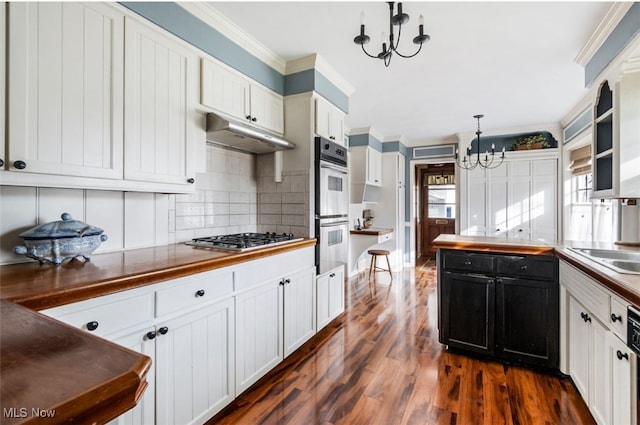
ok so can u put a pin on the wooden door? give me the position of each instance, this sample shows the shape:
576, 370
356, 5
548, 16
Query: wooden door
436, 217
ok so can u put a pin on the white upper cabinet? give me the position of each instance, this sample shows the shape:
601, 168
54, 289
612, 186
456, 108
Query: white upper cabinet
161, 122
329, 121
229, 92
65, 97
373, 172
628, 106
3, 46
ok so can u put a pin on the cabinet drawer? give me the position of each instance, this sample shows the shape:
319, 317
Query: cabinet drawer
106, 315
586, 291
191, 291
467, 261
618, 317
529, 267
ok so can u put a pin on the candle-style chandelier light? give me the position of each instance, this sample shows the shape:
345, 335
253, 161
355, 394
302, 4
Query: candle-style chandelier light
468, 163
388, 50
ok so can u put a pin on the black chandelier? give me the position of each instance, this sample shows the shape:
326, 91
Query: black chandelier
388, 50
486, 162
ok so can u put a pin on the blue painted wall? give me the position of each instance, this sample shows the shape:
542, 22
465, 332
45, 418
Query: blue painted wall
184, 25
623, 33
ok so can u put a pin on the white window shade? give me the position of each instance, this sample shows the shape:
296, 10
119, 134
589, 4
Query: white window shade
581, 160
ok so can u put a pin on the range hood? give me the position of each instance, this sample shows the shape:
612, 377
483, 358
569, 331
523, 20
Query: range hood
239, 136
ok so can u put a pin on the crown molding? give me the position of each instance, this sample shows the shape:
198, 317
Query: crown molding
207, 13
315, 61
608, 23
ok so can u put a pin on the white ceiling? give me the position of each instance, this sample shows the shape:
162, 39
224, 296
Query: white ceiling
511, 61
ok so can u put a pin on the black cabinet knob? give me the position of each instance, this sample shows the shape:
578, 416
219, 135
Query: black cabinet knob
200, 293
332, 275
523, 268
248, 117
151, 334
93, 325
20, 165
254, 119
163, 330
281, 282
191, 180
334, 138
519, 230
1, 163
467, 263
287, 281
615, 318
622, 355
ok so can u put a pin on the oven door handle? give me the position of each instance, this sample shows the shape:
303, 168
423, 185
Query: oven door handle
339, 169
335, 223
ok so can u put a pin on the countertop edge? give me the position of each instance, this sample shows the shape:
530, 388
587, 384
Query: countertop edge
41, 300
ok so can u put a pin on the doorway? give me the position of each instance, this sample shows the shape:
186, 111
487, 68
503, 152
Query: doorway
436, 205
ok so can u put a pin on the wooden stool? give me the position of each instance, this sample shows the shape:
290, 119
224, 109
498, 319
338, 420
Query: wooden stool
374, 256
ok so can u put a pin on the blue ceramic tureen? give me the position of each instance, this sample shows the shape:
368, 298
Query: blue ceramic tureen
60, 240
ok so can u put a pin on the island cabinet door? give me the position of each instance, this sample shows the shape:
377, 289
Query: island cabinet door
527, 320
467, 313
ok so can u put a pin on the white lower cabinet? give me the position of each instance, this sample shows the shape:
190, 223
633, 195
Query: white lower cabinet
259, 316
194, 364
144, 412
272, 321
209, 335
598, 361
329, 296
299, 309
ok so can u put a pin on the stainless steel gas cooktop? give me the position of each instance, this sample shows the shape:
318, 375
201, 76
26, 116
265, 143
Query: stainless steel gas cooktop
243, 241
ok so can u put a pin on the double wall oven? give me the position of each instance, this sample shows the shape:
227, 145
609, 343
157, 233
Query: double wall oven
331, 204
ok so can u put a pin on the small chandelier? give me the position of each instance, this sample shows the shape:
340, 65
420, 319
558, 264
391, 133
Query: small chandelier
388, 50
486, 162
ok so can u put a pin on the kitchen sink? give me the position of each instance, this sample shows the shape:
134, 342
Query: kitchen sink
625, 262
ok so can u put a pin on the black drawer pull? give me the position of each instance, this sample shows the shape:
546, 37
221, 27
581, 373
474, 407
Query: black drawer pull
191, 180
585, 317
200, 293
332, 275
614, 318
93, 325
163, 330
622, 355
20, 165
523, 267
287, 281
151, 334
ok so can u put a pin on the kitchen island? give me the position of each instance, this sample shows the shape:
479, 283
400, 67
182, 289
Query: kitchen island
591, 314
50, 366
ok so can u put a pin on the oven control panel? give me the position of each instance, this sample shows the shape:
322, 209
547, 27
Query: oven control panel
332, 152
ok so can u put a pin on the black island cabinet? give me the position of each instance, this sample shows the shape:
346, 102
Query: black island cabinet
503, 306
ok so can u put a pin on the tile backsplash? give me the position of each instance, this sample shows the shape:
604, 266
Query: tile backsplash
237, 193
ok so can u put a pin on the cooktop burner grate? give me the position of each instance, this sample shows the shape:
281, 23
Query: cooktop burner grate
243, 241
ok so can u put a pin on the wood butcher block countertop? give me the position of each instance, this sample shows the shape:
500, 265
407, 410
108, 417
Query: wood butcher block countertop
623, 284
373, 231
48, 368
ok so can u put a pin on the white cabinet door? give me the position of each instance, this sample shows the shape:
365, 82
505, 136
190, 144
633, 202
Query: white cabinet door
65, 96
579, 348
144, 412
497, 224
330, 296
3, 58
599, 371
476, 204
224, 90
259, 316
160, 115
337, 125
323, 118
544, 197
194, 364
374, 167
518, 199
336, 293
299, 309
267, 109
621, 380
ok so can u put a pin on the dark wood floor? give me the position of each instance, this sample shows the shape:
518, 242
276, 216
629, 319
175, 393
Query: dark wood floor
381, 363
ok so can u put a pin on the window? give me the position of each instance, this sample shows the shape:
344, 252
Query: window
441, 195
583, 187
